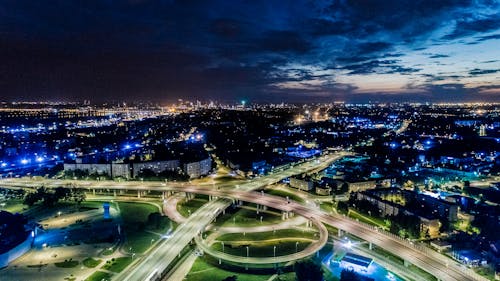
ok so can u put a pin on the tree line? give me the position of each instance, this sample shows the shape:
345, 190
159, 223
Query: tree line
49, 197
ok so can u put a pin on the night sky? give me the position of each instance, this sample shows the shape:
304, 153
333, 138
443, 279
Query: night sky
261, 51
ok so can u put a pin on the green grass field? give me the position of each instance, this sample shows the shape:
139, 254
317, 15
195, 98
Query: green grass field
99, 276
135, 216
189, 207
91, 263
13, 206
136, 212
118, 264
247, 217
139, 241
258, 236
203, 271
284, 194
67, 264
261, 248
366, 219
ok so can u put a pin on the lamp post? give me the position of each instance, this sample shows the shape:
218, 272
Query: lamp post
274, 251
296, 246
248, 251
222, 246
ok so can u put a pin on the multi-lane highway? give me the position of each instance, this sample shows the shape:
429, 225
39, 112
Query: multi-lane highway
160, 258
439, 265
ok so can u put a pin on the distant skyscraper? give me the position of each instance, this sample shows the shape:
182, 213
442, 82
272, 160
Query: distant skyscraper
482, 131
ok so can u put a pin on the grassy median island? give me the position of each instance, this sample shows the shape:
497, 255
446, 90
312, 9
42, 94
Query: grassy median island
203, 271
284, 194
140, 227
247, 217
261, 244
117, 264
13, 206
99, 276
186, 208
367, 219
91, 262
67, 264
262, 248
280, 233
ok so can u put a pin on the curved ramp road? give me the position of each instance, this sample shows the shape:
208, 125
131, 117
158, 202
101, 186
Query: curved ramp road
310, 250
157, 260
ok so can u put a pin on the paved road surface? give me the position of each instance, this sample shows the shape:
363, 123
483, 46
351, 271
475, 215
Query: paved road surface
431, 261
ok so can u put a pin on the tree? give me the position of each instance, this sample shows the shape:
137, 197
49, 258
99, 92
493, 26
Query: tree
308, 271
78, 195
342, 207
62, 193
31, 198
147, 173
467, 187
445, 225
344, 188
154, 220
349, 275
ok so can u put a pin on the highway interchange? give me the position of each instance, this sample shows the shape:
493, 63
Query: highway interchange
165, 253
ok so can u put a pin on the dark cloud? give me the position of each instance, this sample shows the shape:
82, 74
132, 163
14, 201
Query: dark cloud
162, 50
489, 37
438, 56
284, 41
380, 67
373, 47
228, 28
472, 26
477, 71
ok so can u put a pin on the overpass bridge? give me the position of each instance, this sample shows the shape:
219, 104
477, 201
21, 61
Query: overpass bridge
437, 264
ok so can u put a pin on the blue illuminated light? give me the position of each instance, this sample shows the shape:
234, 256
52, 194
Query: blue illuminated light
39, 159
24, 161
4, 164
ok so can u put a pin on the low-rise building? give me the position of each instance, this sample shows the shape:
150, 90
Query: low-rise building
124, 170
155, 166
305, 184
198, 168
440, 245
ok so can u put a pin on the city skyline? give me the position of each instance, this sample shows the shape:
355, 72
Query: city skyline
260, 51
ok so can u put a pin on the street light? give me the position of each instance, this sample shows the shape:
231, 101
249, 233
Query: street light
274, 251
222, 246
248, 251
296, 246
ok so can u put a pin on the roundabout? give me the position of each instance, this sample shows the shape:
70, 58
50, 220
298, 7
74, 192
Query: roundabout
284, 242
249, 261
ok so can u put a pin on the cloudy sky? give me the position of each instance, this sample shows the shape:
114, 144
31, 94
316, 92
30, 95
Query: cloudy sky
269, 50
